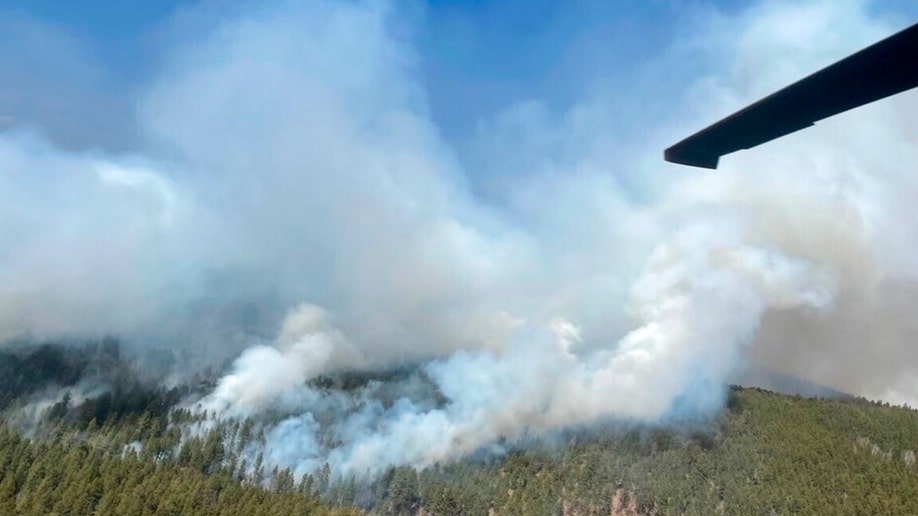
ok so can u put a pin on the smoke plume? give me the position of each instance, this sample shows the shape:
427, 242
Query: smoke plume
293, 203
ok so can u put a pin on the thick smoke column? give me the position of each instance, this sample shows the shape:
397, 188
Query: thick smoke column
698, 305
294, 205
266, 375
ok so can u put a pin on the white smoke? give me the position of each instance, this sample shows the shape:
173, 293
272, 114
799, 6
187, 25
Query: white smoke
294, 196
266, 376
698, 305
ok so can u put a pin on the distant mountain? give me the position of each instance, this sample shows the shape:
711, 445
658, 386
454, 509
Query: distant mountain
763, 378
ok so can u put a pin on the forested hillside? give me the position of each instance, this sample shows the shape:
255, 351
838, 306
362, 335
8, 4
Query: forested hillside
118, 448
127, 446
768, 452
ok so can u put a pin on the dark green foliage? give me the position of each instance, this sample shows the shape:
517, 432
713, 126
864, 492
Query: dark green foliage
121, 452
29, 369
124, 452
767, 454
48, 477
24, 371
402, 493
126, 400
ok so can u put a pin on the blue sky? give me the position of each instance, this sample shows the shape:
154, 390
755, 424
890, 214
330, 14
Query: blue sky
477, 57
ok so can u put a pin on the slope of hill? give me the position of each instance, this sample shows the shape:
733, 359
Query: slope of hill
769, 454
128, 448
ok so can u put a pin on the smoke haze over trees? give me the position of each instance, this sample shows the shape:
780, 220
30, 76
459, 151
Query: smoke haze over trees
290, 202
763, 453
